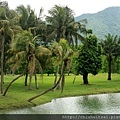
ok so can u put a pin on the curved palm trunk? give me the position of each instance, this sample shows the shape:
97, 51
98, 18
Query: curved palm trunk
85, 78
11, 84
2, 64
61, 76
109, 69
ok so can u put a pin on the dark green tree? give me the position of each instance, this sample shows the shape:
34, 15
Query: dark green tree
89, 58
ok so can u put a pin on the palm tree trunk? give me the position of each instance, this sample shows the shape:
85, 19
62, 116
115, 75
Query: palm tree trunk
62, 71
30, 83
62, 82
11, 84
56, 74
85, 78
109, 69
36, 82
26, 71
61, 74
74, 79
26, 77
2, 65
72, 42
76, 42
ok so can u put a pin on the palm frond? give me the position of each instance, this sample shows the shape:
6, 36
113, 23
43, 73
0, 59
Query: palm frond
68, 54
16, 66
42, 51
20, 55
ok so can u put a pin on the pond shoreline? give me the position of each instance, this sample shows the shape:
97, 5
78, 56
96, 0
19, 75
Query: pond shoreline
85, 104
32, 104
18, 94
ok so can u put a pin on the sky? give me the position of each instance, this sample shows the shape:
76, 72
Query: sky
78, 6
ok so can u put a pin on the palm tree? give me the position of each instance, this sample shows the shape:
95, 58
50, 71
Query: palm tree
4, 31
25, 51
63, 56
8, 26
111, 49
63, 25
27, 17
29, 21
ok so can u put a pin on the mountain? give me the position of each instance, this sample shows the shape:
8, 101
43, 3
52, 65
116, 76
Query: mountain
103, 22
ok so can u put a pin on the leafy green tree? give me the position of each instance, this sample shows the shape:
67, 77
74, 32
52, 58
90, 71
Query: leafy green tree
111, 49
89, 58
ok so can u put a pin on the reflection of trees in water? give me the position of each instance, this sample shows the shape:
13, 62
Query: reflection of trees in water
113, 99
90, 104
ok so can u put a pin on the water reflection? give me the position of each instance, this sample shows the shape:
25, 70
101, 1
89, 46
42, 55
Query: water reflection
89, 104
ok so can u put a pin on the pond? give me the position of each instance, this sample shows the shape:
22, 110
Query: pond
88, 104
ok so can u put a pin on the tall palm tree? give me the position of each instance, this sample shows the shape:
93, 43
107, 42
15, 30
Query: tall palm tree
111, 49
63, 24
5, 30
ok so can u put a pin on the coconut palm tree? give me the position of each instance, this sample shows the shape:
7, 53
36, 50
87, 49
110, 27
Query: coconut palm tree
63, 55
8, 27
29, 21
27, 17
111, 49
4, 31
25, 51
63, 25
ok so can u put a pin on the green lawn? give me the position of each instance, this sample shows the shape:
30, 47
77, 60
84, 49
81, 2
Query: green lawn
18, 94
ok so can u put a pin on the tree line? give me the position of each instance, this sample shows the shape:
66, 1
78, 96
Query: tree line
30, 45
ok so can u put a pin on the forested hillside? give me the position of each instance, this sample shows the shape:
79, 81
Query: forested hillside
103, 22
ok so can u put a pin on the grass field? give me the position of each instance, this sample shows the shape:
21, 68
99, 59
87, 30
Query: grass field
18, 94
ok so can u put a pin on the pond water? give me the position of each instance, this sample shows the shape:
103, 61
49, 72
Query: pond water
88, 104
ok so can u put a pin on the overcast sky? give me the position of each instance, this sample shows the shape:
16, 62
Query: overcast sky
78, 6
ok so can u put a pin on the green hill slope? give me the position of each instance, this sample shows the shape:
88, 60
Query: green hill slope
103, 22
